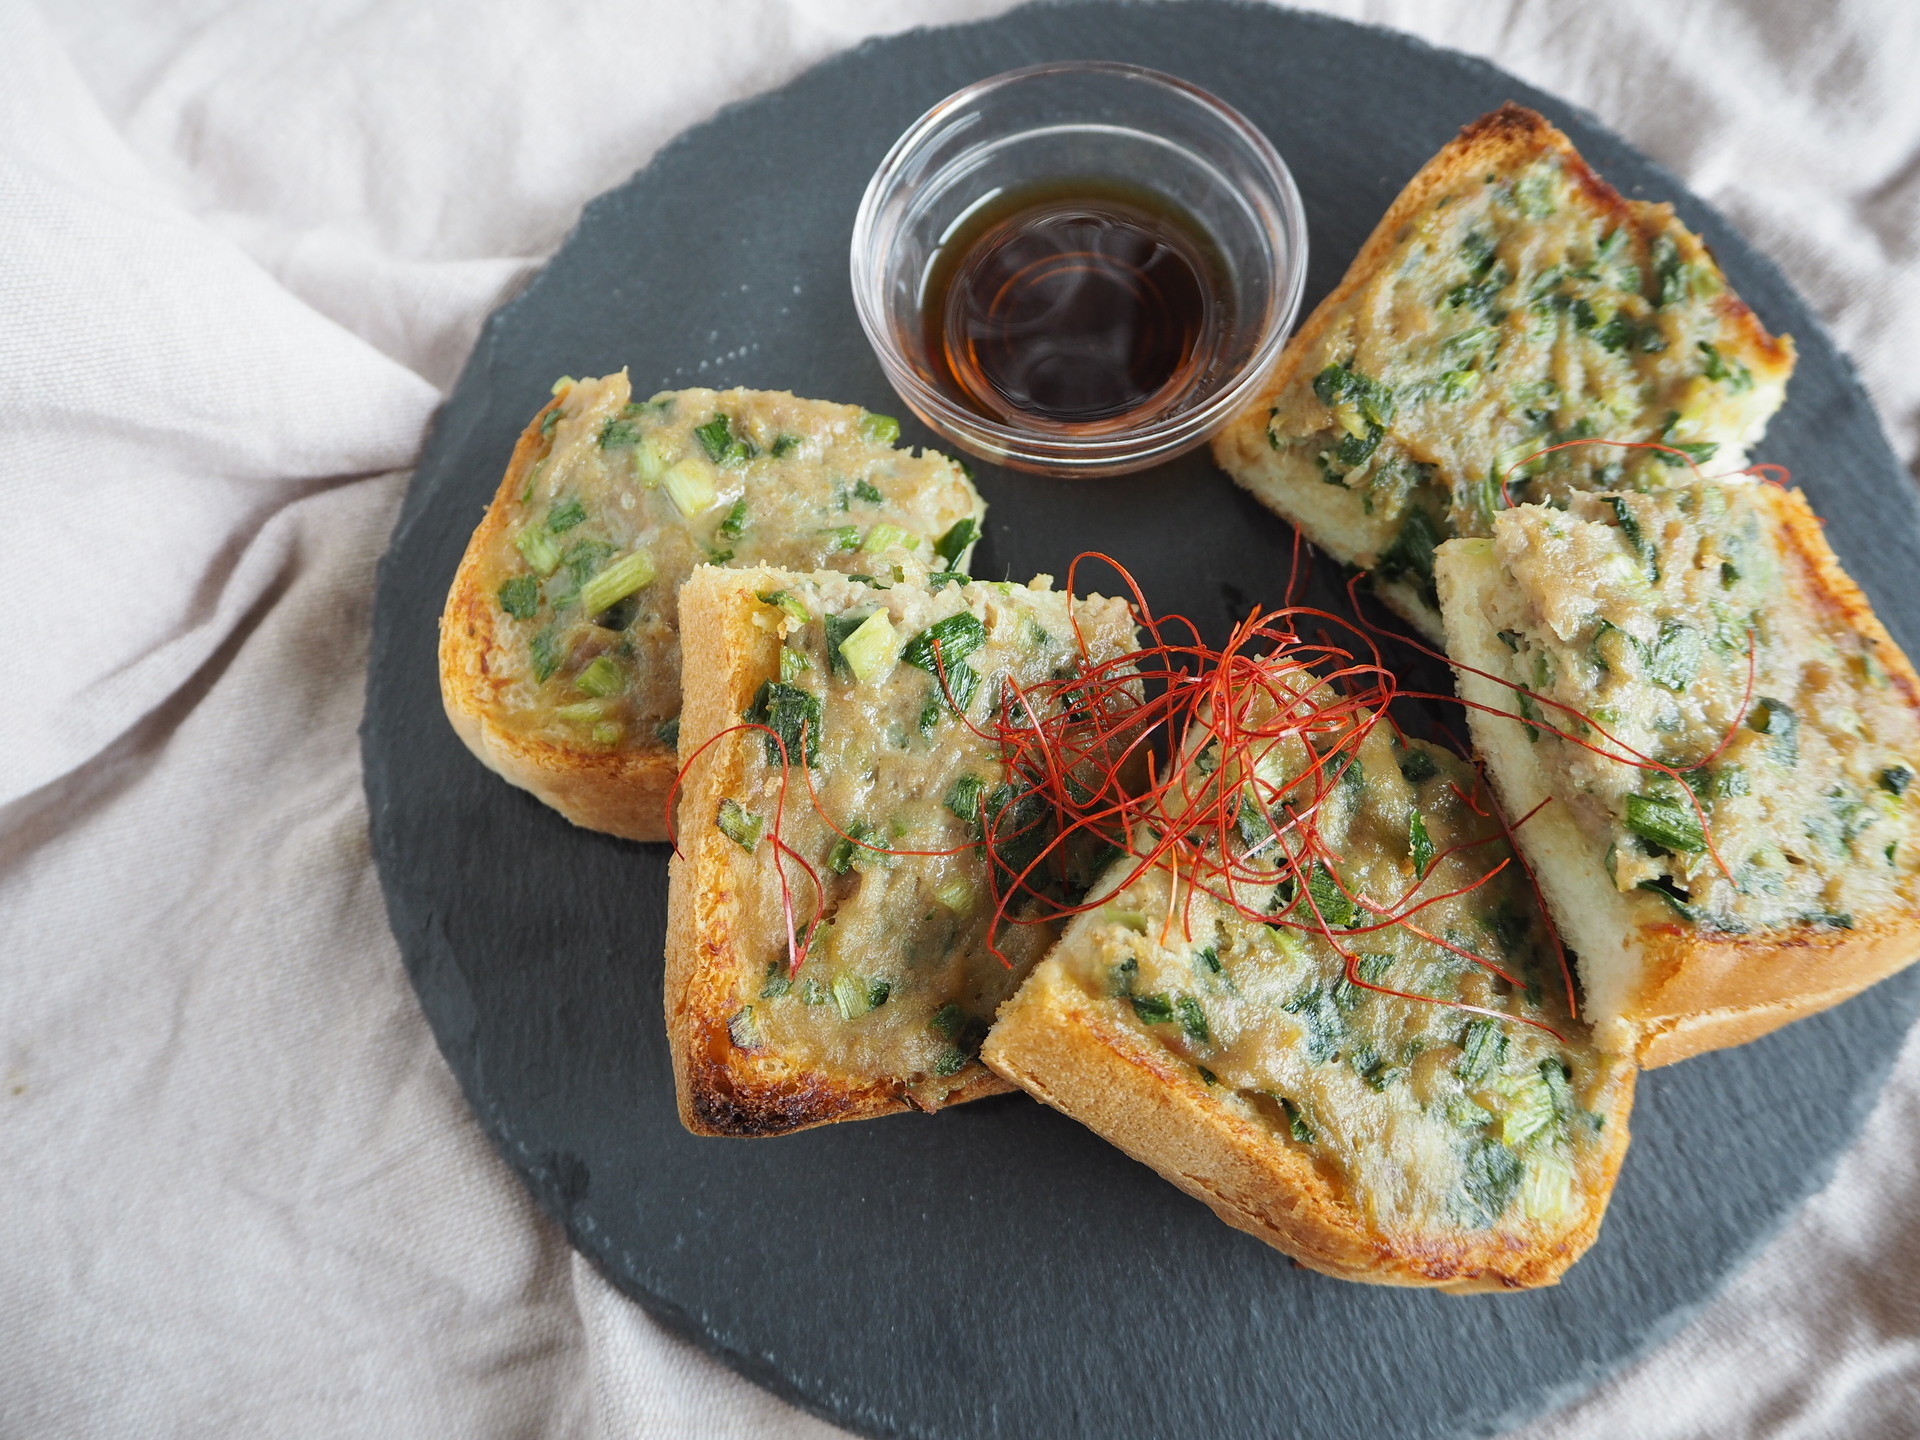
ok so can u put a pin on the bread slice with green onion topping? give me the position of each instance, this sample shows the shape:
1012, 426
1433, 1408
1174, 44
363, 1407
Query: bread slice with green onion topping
882, 697
1509, 301
1726, 739
1371, 1136
560, 643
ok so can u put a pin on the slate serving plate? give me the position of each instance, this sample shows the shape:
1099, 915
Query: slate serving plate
997, 1270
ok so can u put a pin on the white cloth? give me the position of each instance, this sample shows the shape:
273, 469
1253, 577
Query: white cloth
244, 247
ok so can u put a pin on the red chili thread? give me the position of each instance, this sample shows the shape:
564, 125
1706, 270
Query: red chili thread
1074, 741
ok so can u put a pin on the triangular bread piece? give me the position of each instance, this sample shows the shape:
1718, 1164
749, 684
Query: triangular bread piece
560, 644
1727, 848
1508, 301
1372, 1136
887, 1008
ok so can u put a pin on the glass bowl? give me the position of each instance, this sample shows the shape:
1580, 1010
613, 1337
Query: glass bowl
1111, 124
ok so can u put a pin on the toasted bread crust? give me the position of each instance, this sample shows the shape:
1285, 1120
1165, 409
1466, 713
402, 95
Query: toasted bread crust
622, 792
1697, 991
721, 1088
1050, 1040
1509, 136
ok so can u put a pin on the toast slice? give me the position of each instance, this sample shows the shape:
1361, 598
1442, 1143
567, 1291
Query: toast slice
1768, 865
1372, 1136
560, 643
1508, 301
887, 1008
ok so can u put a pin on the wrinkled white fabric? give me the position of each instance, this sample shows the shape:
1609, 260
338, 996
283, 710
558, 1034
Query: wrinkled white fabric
244, 248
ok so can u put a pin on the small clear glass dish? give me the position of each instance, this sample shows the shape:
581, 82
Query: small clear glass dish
1108, 123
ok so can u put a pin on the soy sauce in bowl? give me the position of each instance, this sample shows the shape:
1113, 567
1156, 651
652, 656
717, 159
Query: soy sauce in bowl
1078, 302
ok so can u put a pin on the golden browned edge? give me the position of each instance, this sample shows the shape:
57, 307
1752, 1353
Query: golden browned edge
722, 1089
1051, 1041
1708, 992
622, 792
1502, 138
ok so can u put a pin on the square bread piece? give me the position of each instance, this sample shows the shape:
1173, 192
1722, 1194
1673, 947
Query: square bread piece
889, 1006
560, 644
1373, 1137
1509, 300
1773, 869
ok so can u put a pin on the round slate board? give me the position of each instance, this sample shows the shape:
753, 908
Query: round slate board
998, 1270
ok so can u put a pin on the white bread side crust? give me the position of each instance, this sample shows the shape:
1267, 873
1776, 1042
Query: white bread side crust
1503, 140
1051, 1040
621, 792
722, 1089
1657, 988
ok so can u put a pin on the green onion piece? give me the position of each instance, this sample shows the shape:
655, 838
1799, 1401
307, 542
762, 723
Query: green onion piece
1488, 1181
741, 1029
735, 522
1895, 779
690, 488
546, 652
667, 732
1297, 1125
880, 429
958, 895
602, 677
616, 582
779, 981
1208, 959
867, 491
785, 602
964, 799
1193, 1021
739, 824
1152, 1009
583, 712
553, 418
955, 638
855, 997
1673, 662
1666, 823
562, 385
1637, 540
715, 437
533, 478
1335, 908
648, 463
793, 664
870, 650
839, 627
883, 535
793, 715
1419, 843
520, 597
536, 547
607, 732
619, 434
842, 537
1418, 765
952, 545
1775, 719
1528, 1111
784, 445
563, 517
1484, 1044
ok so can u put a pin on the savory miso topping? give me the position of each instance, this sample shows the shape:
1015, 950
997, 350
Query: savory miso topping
1520, 305
1722, 732
1330, 929
628, 497
884, 894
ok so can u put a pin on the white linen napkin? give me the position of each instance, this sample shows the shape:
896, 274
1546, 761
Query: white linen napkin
244, 248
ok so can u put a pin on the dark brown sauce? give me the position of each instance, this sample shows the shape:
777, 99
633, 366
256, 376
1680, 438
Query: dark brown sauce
1078, 303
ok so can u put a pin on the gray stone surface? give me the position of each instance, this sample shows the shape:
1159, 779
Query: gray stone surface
997, 1270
